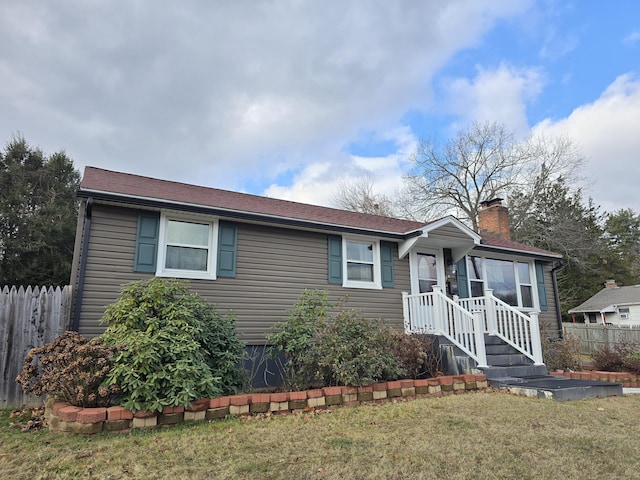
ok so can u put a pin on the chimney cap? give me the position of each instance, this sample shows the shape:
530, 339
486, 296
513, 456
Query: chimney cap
492, 202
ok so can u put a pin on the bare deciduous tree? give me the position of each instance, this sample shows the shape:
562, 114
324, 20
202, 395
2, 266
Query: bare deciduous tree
483, 162
358, 195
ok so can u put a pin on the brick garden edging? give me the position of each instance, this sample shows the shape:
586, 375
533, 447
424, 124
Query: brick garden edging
627, 379
63, 417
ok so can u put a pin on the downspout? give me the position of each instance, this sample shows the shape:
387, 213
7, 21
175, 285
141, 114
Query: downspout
83, 265
554, 281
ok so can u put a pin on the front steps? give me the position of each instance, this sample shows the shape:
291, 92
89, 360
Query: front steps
511, 371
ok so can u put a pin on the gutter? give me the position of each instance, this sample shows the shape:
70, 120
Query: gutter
77, 307
556, 295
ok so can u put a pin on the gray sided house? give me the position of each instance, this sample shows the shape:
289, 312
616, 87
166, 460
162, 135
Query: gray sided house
613, 305
254, 256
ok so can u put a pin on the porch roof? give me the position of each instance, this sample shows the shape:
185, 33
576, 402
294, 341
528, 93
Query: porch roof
447, 232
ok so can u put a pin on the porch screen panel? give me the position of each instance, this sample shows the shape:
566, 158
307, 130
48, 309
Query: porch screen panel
502, 279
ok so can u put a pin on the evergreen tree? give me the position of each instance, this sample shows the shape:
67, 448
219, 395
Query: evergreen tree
557, 219
38, 212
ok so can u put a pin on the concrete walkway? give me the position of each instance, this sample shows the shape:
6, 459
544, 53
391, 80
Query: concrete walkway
628, 391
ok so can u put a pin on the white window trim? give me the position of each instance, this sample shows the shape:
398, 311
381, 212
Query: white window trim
377, 264
532, 277
210, 273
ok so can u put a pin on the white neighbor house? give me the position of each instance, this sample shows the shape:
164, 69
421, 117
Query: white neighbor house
613, 305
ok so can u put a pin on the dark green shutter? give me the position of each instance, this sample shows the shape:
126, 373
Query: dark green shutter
386, 261
542, 289
227, 249
335, 259
147, 243
462, 278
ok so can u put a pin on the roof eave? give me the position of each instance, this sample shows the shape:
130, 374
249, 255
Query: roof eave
238, 214
490, 248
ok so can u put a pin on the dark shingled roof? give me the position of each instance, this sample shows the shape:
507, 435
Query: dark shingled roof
123, 186
501, 243
96, 179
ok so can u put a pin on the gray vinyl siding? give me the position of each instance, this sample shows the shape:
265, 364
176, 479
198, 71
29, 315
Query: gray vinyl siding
274, 265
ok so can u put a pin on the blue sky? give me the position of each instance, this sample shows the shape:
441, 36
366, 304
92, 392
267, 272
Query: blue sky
289, 98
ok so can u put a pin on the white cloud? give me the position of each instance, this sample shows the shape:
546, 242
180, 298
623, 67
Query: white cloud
211, 92
499, 94
607, 131
633, 38
317, 183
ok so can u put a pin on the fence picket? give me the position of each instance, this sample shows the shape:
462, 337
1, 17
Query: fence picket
593, 337
29, 317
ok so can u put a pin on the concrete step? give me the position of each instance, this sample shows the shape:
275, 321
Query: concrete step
493, 340
500, 349
508, 360
514, 371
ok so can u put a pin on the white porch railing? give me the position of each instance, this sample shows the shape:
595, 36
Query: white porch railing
464, 322
435, 313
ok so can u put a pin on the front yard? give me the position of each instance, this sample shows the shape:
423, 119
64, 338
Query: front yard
480, 435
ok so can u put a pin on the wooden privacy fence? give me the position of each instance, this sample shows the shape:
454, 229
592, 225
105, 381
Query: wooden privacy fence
29, 317
593, 337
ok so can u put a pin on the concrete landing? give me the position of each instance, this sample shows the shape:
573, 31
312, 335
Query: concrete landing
558, 388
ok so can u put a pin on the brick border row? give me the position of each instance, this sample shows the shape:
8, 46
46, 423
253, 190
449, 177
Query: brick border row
627, 379
63, 417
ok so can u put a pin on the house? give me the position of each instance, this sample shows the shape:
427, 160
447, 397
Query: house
255, 255
613, 305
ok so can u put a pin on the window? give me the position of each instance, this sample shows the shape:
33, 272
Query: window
526, 290
511, 282
624, 312
501, 279
187, 247
362, 264
474, 269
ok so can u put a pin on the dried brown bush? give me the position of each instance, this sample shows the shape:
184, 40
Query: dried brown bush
72, 368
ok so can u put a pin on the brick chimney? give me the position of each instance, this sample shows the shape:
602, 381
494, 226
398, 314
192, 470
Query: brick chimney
493, 219
611, 283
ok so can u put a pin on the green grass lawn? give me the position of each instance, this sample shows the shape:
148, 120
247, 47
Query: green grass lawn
480, 435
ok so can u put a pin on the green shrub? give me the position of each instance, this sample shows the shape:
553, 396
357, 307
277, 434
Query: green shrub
561, 354
174, 347
351, 350
72, 369
291, 340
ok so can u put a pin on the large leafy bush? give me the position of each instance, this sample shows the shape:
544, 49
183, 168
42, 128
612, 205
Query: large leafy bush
323, 344
174, 347
72, 369
292, 339
351, 350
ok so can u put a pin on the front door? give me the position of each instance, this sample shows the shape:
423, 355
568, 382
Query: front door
427, 271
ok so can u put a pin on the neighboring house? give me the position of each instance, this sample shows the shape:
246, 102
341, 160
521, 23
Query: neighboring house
613, 305
255, 255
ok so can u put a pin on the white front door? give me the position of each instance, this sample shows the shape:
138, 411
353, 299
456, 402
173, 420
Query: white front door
427, 270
